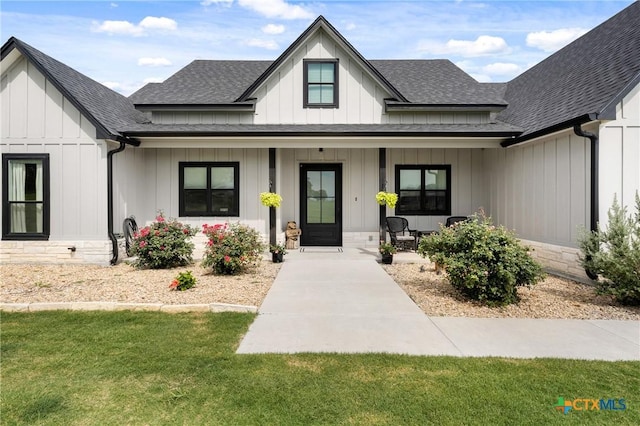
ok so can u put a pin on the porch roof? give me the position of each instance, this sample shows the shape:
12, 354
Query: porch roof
497, 129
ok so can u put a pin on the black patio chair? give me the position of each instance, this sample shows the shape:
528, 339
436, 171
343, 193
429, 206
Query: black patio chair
401, 236
455, 219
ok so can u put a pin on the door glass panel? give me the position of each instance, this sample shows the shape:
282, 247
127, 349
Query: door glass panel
314, 185
328, 184
328, 210
321, 193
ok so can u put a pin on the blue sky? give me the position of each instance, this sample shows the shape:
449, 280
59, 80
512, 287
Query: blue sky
124, 44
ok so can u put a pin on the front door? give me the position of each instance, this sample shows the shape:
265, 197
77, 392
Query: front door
321, 204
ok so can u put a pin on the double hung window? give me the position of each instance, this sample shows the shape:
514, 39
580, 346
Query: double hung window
25, 196
209, 189
321, 83
423, 189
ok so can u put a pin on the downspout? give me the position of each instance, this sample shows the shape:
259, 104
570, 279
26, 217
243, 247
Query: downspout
112, 237
594, 205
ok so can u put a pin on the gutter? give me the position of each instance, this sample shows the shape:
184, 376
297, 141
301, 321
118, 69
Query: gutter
593, 226
123, 141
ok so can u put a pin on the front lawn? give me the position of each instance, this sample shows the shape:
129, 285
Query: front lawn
154, 368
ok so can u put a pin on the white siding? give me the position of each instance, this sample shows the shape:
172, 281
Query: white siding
468, 194
541, 189
147, 181
36, 118
620, 156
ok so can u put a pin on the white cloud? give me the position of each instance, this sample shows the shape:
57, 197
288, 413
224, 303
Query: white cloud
153, 23
127, 28
350, 26
276, 9
550, 41
153, 62
114, 4
111, 84
265, 44
273, 29
483, 45
117, 27
152, 80
210, 2
502, 68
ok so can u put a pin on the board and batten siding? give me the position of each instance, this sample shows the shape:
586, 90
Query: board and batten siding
541, 189
37, 118
146, 181
468, 193
620, 156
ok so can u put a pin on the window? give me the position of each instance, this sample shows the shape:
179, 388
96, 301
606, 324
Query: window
25, 196
424, 190
209, 189
320, 83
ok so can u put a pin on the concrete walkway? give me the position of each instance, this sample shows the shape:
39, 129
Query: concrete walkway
324, 300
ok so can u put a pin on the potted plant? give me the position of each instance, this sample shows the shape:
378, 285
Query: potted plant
270, 199
387, 251
277, 252
387, 198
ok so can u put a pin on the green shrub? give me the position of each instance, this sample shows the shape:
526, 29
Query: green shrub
163, 244
183, 281
231, 248
614, 254
483, 262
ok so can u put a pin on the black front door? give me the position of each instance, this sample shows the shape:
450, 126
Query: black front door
321, 204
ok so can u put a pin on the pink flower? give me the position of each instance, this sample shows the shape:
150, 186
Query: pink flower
185, 231
173, 285
143, 244
159, 218
210, 243
227, 259
157, 232
161, 247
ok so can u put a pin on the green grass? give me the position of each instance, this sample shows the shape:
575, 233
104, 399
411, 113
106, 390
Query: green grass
152, 368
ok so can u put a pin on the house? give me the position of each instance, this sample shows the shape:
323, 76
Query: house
327, 129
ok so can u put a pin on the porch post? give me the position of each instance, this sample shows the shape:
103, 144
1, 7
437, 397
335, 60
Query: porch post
382, 165
272, 188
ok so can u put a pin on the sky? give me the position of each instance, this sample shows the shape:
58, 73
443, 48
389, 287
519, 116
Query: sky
126, 44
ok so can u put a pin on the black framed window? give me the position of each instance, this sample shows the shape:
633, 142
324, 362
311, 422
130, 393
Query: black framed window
423, 189
25, 196
320, 83
209, 189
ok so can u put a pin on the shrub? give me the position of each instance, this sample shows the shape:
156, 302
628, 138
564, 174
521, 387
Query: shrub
614, 254
183, 281
163, 244
231, 248
483, 262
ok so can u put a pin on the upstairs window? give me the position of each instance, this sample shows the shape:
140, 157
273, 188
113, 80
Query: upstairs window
25, 196
320, 83
209, 189
423, 189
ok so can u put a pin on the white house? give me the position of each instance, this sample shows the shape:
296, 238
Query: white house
326, 129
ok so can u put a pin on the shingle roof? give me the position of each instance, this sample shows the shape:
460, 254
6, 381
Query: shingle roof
203, 82
108, 110
582, 78
498, 129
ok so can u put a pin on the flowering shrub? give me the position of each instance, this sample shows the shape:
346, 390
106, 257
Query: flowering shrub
163, 244
388, 198
270, 199
278, 248
183, 281
484, 262
231, 248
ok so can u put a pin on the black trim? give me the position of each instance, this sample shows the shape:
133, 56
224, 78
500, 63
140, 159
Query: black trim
423, 211
403, 106
46, 199
336, 83
565, 125
240, 106
209, 165
112, 237
272, 188
328, 133
382, 186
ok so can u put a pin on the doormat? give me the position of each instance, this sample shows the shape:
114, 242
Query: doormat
320, 249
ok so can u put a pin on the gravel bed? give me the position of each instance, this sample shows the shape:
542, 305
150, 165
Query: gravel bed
552, 298
124, 283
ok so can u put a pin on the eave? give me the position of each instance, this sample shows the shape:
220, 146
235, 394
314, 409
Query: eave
229, 107
391, 106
